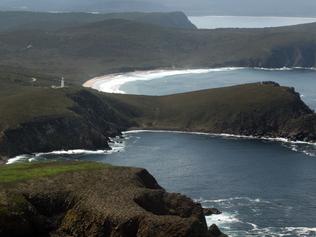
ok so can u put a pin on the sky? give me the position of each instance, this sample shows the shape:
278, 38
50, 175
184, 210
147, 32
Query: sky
191, 7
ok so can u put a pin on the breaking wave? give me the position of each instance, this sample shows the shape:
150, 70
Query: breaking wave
116, 144
237, 225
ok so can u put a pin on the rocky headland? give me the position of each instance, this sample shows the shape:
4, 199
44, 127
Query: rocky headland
76, 118
90, 199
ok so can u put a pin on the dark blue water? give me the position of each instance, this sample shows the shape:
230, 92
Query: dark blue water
304, 81
263, 187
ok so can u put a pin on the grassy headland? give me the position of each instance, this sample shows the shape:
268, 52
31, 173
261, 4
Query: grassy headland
260, 109
89, 199
75, 118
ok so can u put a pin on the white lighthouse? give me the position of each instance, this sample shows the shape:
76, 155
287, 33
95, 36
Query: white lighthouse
62, 83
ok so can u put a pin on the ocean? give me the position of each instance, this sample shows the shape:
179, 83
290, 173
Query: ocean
213, 22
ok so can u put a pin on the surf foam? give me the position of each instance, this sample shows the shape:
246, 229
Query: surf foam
116, 145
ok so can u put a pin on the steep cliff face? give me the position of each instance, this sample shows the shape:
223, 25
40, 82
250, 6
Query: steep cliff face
86, 124
296, 55
301, 129
108, 201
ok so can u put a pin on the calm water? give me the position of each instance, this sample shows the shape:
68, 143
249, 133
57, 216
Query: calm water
263, 188
304, 82
213, 22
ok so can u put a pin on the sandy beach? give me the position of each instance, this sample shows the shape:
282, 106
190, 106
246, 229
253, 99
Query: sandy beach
112, 83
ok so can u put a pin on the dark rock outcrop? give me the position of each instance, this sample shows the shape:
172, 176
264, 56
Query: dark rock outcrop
211, 211
114, 201
215, 231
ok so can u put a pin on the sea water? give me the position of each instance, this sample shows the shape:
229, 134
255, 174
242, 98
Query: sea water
213, 22
263, 187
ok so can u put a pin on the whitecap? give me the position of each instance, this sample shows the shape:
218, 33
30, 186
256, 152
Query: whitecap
222, 219
116, 144
281, 231
248, 199
17, 159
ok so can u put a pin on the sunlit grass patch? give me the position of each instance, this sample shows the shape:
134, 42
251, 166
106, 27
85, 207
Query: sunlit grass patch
22, 172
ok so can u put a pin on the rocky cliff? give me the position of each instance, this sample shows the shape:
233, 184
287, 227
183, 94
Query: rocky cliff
79, 120
101, 201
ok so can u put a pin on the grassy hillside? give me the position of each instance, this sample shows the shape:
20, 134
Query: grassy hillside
93, 49
252, 109
42, 119
10, 21
22, 172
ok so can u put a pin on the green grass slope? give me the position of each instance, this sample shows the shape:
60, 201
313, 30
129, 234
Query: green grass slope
23, 172
10, 21
260, 109
113, 45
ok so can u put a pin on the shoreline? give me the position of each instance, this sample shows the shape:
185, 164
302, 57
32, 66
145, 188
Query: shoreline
117, 146
223, 135
111, 83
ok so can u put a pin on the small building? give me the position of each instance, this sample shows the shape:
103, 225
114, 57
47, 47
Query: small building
62, 83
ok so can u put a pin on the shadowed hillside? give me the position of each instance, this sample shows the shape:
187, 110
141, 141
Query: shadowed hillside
114, 45
10, 21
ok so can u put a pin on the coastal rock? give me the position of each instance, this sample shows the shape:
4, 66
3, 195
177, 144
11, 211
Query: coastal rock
211, 211
215, 231
112, 201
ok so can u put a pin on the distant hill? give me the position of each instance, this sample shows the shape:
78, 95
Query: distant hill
200, 7
91, 49
52, 21
83, 5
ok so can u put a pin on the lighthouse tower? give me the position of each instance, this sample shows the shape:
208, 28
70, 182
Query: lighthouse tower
62, 83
